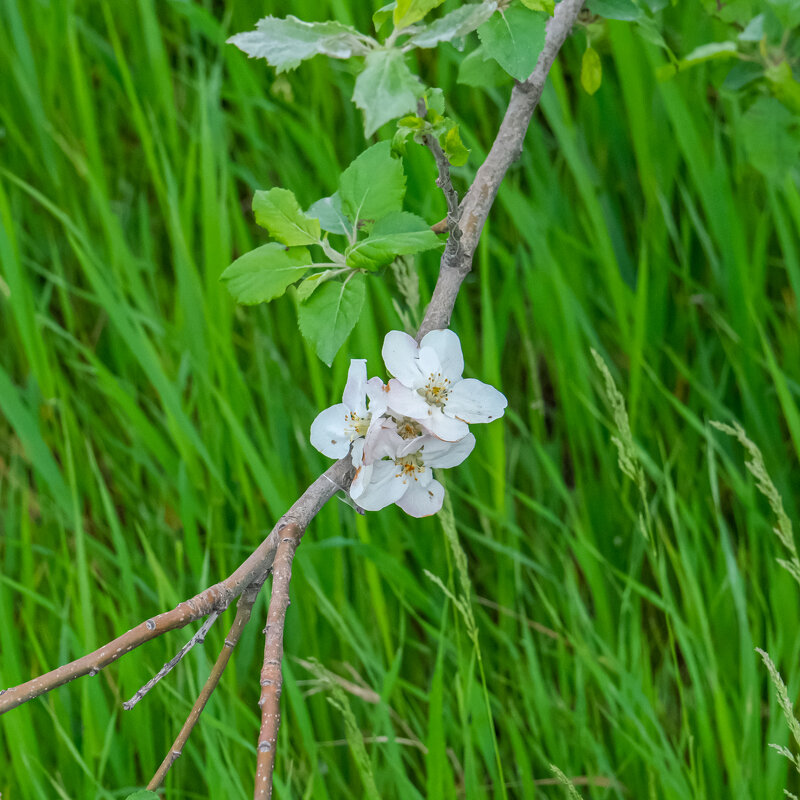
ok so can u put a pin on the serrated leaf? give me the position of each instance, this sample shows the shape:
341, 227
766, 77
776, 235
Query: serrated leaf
331, 216
266, 272
284, 43
373, 185
548, 6
434, 100
454, 25
386, 89
407, 12
307, 286
454, 148
480, 70
397, 234
591, 71
614, 9
514, 39
142, 794
770, 138
327, 317
278, 211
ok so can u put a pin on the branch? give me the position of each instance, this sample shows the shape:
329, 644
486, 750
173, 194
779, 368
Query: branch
216, 598
243, 609
474, 208
271, 677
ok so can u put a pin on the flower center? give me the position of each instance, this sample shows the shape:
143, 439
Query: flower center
409, 466
436, 389
408, 428
357, 426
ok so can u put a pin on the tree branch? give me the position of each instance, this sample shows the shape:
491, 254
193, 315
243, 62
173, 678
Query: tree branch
474, 208
271, 676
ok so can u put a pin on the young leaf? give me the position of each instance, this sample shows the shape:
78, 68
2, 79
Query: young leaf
454, 148
278, 211
386, 89
308, 285
142, 794
331, 216
266, 272
397, 234
480, 70
615, 9
373, 185
591, 71
514, 39
548, 6
327, 317
287, 42
454, 25
770, 138
407, 12
382, 16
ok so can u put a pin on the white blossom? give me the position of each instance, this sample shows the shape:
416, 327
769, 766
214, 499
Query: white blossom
428, 386
335, 428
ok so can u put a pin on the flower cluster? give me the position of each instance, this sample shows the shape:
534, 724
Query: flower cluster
397, 432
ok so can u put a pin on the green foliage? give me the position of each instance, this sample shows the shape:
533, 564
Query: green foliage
398, 233
455, 25
372, 186
514, 39
277, 210
591, 71
266, 272
142, 795
625, 10
771, 136
407, 12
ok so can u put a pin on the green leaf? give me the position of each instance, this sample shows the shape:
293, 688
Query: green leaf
386, 89
407, 12
265, 273
548, 6
480, 70
454, 148
398, 234
591, 71
615, 9
787, 12
373, 185
434, 100
454, 25
754, 32
382, 16
706, 52
307, 286
514, 39
740, 74
278, 211
327, 317
143, 794
284, 43
770, 138
331, 216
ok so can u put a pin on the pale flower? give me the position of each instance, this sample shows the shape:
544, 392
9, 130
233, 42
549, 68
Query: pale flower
401, 472
428, 386
335, 428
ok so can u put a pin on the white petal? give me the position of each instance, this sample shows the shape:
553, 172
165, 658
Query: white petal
406, 402
400, 353
382, 441
474, 401
384, 487
429, 363
448, 347
443, 427
377, 391
328, 431
355, 387
436, 453
422, 501
357, 453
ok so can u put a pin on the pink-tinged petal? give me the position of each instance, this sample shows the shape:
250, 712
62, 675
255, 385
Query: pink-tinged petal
475, 401
405, 402
443, 427
376, 392
355, 388
422, 501
400, 353
328, 431
436, 453
448, 348
384, 487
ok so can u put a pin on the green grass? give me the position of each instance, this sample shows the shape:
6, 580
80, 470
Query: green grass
151, 431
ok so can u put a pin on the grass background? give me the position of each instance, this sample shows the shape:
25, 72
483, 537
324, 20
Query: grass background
151, 430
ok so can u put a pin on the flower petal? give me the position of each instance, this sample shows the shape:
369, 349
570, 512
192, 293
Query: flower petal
400, 353
442, 426
448, 347
328, 431
376, 392
406, 402
474, 401
436, 453
355, 388
422, 501
382, 441
382, 487
357, 453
